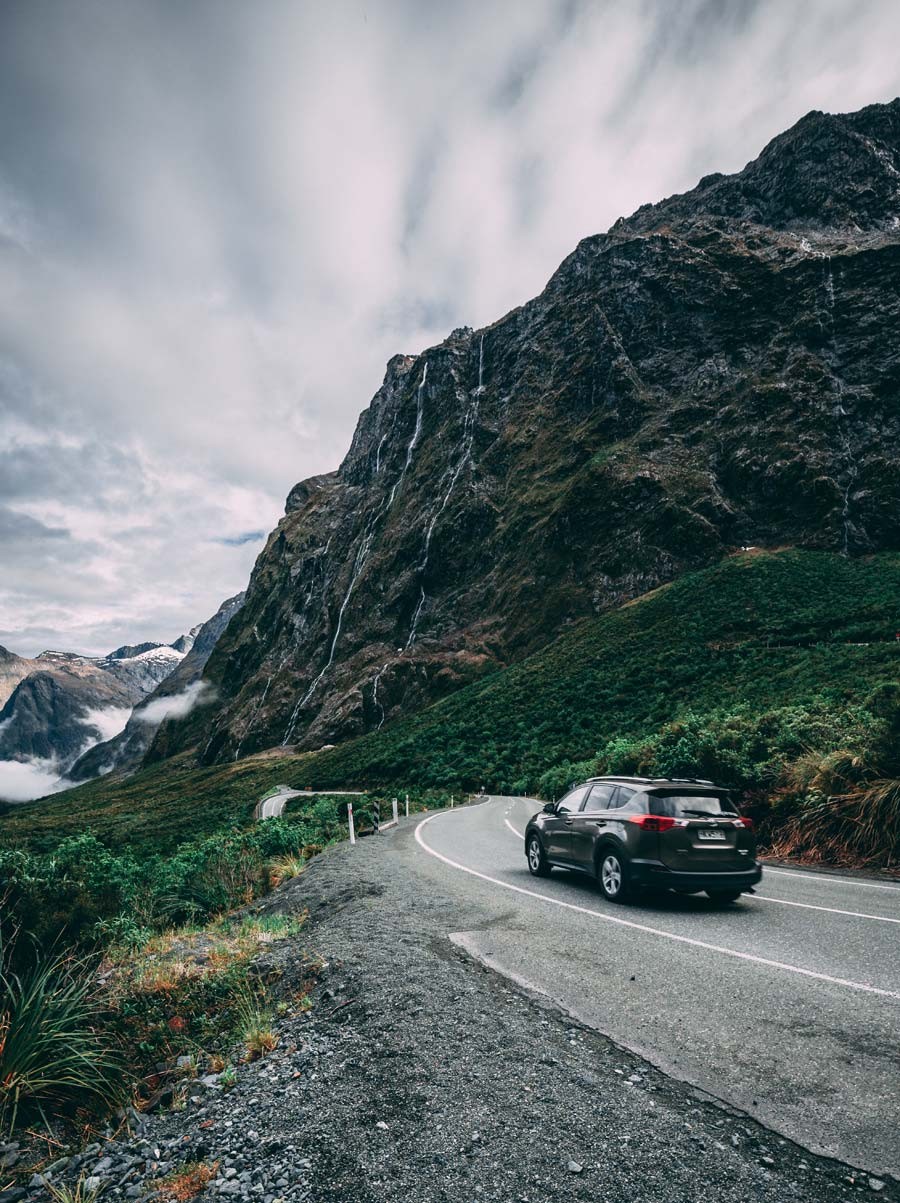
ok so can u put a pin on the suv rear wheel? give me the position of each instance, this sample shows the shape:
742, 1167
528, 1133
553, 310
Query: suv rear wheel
538, 865
612, 874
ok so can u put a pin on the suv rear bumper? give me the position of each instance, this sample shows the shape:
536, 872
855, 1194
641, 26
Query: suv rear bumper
654, 873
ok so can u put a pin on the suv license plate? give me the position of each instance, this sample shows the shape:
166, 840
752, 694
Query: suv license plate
711, 835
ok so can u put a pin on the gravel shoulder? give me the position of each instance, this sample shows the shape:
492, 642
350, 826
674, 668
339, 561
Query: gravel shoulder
421, 1075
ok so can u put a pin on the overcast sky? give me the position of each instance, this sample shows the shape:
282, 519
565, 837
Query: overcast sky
219, 219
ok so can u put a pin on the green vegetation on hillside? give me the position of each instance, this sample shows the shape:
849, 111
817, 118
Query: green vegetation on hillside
157, 809
807, 634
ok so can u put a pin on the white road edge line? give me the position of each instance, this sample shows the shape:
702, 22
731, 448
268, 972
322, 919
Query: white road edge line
807, 906
654, 931
835, 881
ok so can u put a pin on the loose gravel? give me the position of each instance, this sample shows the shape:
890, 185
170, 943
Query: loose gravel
419, 1075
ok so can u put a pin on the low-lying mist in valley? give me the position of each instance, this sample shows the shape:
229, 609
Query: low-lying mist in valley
23, 780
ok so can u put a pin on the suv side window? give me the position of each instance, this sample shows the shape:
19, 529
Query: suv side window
572, 801
599, 797
621, 797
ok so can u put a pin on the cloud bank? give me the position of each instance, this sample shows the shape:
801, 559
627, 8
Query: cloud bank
178, 705
21, 781
219, 220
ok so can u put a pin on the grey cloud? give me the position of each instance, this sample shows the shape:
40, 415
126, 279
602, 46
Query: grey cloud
219, 220
18, 528
250, 536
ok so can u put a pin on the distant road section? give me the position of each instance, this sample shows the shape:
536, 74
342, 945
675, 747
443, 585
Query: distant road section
272, 805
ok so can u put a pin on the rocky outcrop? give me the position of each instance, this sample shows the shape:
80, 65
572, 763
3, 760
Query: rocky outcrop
13, 669
717, 370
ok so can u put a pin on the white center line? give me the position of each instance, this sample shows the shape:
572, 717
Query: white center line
807, 906
654, 931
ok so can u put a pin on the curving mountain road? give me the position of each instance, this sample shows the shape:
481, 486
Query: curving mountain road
272, 805
786, 1005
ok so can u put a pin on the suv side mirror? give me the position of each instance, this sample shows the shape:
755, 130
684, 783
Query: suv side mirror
550, 808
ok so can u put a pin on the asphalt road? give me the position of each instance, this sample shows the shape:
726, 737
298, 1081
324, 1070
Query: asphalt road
273, 806
786, 1004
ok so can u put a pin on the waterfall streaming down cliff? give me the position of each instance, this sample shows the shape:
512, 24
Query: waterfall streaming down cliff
464, 457
363, 550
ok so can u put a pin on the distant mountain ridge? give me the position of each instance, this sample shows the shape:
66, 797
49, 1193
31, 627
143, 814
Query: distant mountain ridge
60, 705
127, 749
720, 369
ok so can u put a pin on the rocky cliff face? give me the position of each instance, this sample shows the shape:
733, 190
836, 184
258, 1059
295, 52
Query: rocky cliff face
13, 669
719, 369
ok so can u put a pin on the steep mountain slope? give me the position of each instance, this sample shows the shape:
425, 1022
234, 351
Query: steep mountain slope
813, 631
127, 749
720, 369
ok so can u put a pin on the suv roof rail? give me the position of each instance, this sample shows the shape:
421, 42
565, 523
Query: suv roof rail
651, 780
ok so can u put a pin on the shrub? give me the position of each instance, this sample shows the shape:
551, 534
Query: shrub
51, 1052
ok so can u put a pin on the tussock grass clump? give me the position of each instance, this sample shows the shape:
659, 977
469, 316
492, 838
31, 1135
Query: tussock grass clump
187, 1182
861, 826
52, 1055
255, 1025
78, 1192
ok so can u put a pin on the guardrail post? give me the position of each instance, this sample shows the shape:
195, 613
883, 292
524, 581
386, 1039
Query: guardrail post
396, 812
350, 823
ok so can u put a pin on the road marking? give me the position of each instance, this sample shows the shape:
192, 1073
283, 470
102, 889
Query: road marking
807, 906
835, 881
654, 931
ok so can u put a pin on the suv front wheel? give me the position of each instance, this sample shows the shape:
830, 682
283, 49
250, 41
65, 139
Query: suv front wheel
612, 874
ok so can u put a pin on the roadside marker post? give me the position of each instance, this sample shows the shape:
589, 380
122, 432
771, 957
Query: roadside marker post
451, 801
350, 823
407, 805
376, 816
396, 812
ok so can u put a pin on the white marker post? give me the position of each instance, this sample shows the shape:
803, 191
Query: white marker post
451, 801
407, 805
350, 823
396, 812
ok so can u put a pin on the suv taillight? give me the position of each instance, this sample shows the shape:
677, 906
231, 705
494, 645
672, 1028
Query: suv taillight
653, 822
743, 821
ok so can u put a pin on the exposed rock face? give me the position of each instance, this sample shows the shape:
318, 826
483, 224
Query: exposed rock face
127, 749
13, 669
720, 369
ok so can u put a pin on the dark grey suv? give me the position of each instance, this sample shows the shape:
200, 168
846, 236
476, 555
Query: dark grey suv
642, 831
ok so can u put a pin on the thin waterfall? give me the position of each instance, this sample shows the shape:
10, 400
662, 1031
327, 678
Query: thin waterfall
363, 550
420, 400
851, 471
465, 456
375, 701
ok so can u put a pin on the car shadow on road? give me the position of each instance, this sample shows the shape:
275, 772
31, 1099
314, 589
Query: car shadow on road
644, 901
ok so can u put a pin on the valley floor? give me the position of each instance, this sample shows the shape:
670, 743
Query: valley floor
419, 1075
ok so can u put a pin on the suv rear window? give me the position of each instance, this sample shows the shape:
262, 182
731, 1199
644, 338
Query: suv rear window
690, 806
